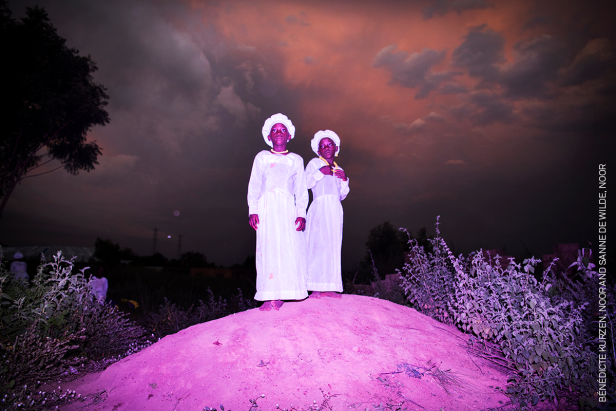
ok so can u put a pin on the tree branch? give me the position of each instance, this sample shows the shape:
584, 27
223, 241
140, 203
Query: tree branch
15, 148
46, 142
40, 174
40, 165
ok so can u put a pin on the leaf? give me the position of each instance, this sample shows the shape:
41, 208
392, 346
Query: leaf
535, 400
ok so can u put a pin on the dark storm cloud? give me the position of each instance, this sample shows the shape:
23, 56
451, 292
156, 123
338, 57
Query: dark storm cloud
441, 7
490, 108
450, 88
536, 21
192, 82
417, 126
536, 67
482, 108
480, 53
413, 70
593, 117
593, 62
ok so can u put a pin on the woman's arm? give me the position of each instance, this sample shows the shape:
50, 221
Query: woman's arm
254, 191
313, 173
301, 191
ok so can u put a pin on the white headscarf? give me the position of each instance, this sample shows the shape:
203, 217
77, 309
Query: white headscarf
18, 255
320, 135
275, 119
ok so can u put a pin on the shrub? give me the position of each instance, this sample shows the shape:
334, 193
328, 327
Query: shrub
56, 324
541, 336
169, 318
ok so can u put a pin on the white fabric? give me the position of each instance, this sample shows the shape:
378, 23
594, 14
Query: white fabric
324, 228
19, 269
99, 287
277, 194
320, 135
273, 120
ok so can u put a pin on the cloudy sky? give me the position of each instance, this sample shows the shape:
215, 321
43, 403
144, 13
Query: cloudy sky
492, 114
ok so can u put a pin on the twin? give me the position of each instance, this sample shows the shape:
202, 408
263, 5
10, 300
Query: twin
296, 254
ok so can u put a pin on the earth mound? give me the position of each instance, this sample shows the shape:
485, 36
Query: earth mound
356, 352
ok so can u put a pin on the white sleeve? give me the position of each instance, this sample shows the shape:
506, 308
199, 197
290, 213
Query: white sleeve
313, 173
301, 192
344, 189
254, 186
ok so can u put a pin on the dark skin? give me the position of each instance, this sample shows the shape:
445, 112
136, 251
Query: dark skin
279, 136
327, 150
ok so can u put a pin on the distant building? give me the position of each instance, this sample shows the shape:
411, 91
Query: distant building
83, 254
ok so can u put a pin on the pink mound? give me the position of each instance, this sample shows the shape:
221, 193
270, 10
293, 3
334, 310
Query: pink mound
353, 348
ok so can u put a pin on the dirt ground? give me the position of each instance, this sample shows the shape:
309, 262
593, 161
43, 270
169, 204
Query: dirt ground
352, 353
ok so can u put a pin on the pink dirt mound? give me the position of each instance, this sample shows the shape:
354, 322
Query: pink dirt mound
361, 351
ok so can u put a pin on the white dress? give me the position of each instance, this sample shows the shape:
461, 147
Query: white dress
324, 228
277, 194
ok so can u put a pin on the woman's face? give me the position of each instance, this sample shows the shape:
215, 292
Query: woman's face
327, 148
279, 135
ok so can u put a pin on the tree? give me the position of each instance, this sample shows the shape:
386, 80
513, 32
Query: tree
107, 252
48, 100
193, 259
386, 246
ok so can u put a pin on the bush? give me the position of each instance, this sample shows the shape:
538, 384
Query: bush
56, 324
170, 318
541, 336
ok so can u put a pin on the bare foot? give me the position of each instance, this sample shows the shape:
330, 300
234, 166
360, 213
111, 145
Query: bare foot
277, 304
315, 294
266, 306
332, 294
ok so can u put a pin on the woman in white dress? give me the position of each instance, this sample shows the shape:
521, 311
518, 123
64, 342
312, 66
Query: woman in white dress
277, 201
330, 186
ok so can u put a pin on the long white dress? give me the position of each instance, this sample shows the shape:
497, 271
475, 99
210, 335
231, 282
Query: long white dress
324, 228
277, 194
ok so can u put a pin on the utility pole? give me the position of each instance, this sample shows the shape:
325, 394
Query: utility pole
179, 247
154, 242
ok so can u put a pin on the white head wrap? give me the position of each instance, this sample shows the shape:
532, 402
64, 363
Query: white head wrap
320, 135
275, 119
18, 255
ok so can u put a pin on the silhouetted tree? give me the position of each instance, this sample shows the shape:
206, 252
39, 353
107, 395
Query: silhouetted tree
422, 240
387, 246
48, 101
108, 253
249, 263
192, 259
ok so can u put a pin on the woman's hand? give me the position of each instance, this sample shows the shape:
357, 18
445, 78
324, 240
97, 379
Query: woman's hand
327, 170
302, 223
253, 220
340, 174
